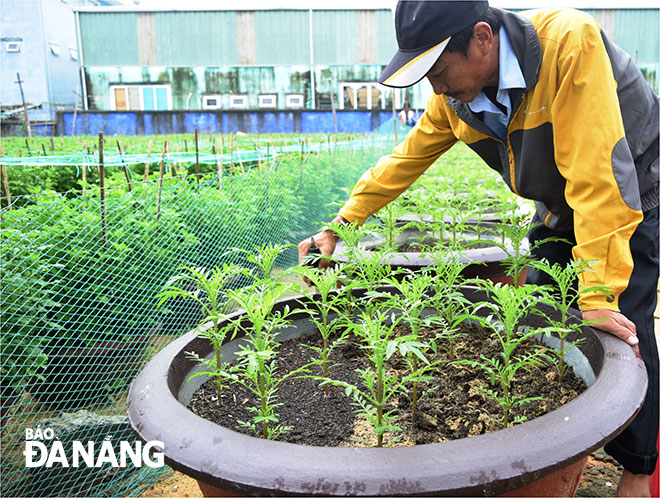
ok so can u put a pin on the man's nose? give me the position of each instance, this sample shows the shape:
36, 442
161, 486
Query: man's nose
438, 87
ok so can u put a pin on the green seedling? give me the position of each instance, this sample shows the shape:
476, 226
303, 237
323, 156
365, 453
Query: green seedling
379, 385
256, 369
450, 304
208, 288
562, 299
389, 227
264, 258
324, 308
509, 306
411, 300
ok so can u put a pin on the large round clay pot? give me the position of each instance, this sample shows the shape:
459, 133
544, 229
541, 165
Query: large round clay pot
502, 462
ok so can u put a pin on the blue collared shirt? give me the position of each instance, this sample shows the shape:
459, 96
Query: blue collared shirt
510, 77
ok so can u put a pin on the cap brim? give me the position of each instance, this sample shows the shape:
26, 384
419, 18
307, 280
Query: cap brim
407, 68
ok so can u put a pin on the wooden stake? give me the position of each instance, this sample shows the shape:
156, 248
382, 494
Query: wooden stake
5, 184
27, 144
102, 191
268, 156
126, 172
300, 154
160, 183
218, 162
25, 109
52, 144
238, 154
258, 151
146, 165
231, 172
196, 157
176, 164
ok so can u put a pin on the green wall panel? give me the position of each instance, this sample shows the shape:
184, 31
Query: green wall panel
196, 38
282, 36
109, 38
335, 37
385, 37
637, 31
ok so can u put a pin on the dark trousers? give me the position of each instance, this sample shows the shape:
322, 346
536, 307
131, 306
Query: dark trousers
635, 447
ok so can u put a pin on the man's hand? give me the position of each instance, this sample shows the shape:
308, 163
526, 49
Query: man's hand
615, 323
326, 241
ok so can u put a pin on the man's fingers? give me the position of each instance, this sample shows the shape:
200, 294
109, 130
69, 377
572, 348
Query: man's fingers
615, 323
303, 248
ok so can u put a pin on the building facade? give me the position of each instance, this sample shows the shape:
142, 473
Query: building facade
38, 44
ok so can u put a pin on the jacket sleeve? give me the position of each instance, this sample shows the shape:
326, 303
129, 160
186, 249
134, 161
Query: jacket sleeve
394, 173
592, 154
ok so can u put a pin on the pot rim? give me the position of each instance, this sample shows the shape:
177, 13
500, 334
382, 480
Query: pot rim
468, 255
486, 464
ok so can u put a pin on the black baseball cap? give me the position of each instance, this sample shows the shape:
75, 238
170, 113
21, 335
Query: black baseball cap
423, 30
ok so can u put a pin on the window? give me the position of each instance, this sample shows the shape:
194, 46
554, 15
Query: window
268, 101
140, 98
212, 102
354, 95
238, 102
13, 46
295, 101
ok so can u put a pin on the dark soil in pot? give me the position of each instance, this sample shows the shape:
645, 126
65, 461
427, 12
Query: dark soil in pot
453, 408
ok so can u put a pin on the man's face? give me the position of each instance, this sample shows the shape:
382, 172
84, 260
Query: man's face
463, 77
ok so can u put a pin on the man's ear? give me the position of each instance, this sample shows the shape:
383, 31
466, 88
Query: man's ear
483, 37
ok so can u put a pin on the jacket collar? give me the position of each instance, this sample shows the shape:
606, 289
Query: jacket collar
526, 46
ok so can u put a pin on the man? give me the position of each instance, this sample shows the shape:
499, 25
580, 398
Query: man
547, 100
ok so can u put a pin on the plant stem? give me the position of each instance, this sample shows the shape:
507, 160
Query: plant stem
379, 407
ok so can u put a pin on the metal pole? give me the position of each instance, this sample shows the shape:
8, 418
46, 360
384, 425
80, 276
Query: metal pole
396, 126
81, 62
312, 78
25, 111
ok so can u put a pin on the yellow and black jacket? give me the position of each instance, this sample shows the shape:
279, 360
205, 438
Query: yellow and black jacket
582, 143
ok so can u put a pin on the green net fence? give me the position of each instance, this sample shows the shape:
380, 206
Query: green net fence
88, 243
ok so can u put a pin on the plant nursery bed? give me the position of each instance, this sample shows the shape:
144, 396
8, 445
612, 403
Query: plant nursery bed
452, 404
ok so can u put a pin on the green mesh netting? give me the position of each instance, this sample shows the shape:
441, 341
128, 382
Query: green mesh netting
81, 265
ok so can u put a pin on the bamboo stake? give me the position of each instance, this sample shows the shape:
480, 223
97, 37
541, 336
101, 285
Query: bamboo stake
102, 191
231, 172
238, 154
196, 158
27, 144
126, 172
84, 169
268, 156
5, 183
52, 144
146, 165
218, 163
43, 148
300, 155
160, 183
258, 151
176, 166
